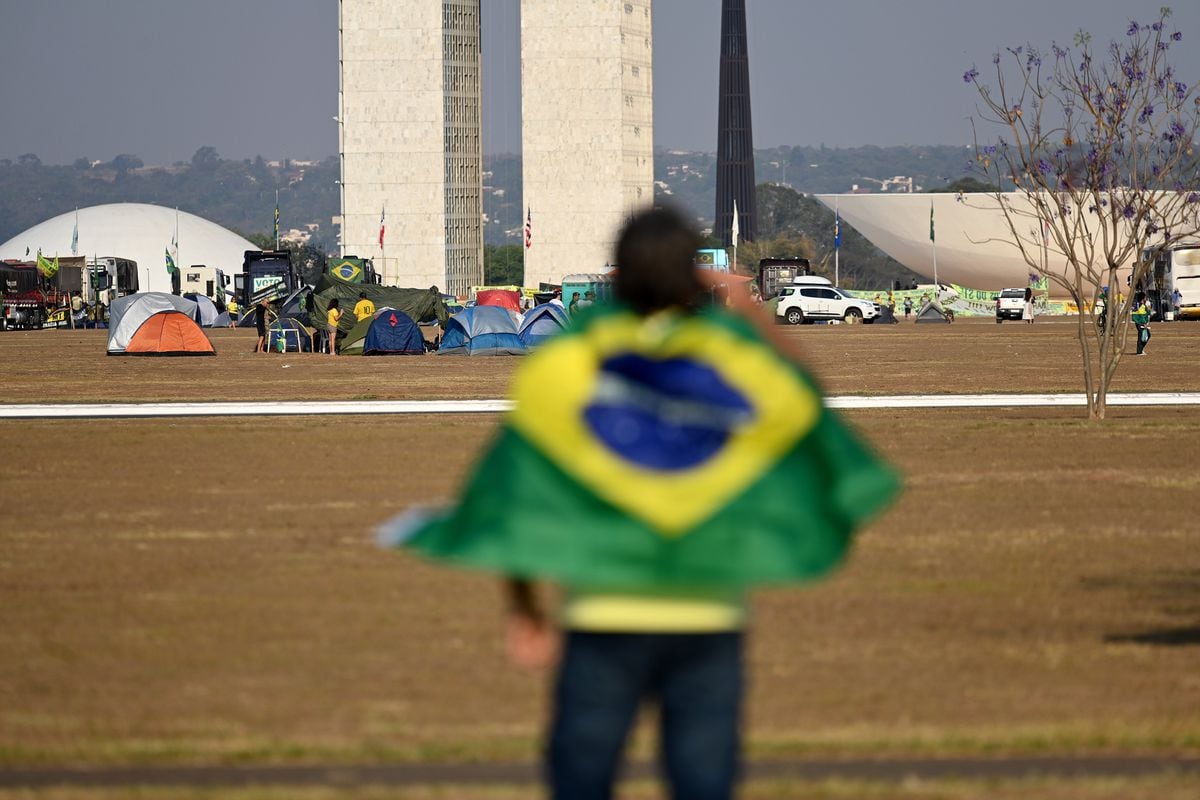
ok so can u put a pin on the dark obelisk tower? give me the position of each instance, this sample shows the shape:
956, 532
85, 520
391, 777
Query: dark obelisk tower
735, 138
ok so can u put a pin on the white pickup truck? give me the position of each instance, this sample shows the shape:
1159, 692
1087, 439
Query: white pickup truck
1010, 304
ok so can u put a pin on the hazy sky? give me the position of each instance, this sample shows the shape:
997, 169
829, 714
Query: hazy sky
160, 78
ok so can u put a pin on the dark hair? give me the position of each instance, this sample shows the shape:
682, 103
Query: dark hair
362, 295
334, 303
656, 262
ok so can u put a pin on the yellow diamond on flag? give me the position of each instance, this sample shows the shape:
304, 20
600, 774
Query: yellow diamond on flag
668, 421
347, 271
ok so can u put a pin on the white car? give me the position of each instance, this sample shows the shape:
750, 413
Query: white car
1010, 304
801, 303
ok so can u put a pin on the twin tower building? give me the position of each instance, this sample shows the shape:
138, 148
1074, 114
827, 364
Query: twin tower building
411, 151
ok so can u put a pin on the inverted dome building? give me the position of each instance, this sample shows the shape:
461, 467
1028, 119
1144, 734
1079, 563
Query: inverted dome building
974, 244
136, 231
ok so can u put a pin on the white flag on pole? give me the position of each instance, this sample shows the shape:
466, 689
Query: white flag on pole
734, 231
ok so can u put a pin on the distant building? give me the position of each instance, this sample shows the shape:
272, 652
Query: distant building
412, 163
136, 231
974, 246
735, 133
587, 129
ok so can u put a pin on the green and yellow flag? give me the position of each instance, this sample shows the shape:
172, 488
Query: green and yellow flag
679, 450
47, 267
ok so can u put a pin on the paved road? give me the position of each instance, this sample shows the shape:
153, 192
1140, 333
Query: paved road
881, 770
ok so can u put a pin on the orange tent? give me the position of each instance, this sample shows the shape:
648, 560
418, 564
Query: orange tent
169, 333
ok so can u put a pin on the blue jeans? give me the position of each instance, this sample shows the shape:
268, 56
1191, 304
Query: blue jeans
697, 680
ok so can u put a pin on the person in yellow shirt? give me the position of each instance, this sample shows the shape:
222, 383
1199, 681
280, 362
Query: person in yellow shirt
363, 308
331, 329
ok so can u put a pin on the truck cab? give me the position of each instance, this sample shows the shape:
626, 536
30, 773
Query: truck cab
266, 274
208, 281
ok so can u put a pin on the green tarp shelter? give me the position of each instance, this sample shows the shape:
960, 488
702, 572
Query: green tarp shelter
421, 305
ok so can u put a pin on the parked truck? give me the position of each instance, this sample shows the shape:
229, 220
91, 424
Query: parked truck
28, 298
352, 269
1175, 267
775, 273
266, 274
31, 300
208, 281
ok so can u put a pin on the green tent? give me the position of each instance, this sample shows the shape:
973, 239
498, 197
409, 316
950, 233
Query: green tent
421, 305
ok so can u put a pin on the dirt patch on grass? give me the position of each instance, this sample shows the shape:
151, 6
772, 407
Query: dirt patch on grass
971, 356
207, 589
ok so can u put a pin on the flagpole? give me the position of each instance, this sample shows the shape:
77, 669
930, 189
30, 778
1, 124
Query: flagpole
382, 239
734, 230
276, 219
837, 244
933, 243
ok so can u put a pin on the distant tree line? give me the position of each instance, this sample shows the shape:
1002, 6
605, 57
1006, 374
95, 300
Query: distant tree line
236, 194
239, 194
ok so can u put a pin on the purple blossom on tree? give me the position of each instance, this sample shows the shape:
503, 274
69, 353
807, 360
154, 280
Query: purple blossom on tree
1108, 129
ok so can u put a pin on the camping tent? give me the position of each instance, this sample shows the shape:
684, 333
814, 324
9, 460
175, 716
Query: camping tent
155, 324
541, 323
931, 312
206, 310
294, 306
288, 335
887, 316
481, 331
393, 333
351, 344
419, 305
499, 297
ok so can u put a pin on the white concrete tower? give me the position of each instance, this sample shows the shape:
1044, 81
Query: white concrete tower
409, 112
586, 128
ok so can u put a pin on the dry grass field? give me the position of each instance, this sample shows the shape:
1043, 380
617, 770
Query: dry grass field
207, 591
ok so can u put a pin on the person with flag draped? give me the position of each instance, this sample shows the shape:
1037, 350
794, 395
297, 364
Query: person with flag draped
663, 456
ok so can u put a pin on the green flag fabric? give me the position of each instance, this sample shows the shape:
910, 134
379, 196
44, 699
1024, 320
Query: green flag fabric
47, 267
678, 451
931, 223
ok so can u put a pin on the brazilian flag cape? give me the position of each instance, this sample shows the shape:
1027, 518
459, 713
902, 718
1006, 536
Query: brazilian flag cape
678, 450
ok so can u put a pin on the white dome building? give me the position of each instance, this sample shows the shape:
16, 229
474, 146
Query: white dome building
136, 231
974, 242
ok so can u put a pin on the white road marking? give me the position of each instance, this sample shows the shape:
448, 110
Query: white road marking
326, 408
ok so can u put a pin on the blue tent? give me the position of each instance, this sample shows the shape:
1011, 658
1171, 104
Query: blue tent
287, 335
393, 333
541, 323
481, 331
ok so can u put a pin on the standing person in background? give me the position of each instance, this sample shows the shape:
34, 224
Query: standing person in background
1141, 321
574, 306
260, 324
363, 308
78, 310
331, 325
1027, 311
1176, 301
654, 552
907, 307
